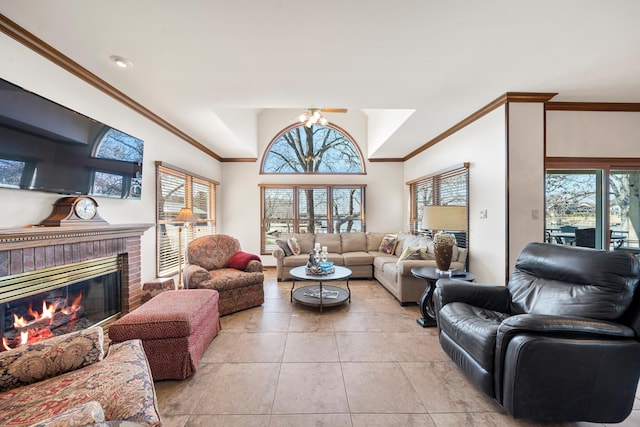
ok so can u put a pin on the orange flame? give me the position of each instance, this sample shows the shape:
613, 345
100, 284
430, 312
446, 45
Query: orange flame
48, 312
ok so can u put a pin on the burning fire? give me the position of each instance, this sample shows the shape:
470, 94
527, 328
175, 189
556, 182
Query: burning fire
37, 326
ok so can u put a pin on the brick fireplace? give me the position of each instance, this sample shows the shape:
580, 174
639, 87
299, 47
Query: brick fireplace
32, 249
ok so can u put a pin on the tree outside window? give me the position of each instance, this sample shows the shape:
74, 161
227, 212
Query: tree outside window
316, 149
311, 208
577, 199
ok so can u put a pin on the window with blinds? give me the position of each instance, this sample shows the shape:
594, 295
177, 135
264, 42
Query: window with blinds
310, 209
448, 187
177, 189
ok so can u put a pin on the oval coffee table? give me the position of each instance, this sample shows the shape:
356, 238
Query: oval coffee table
320, 295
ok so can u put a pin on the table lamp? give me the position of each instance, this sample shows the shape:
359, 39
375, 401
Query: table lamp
442, 219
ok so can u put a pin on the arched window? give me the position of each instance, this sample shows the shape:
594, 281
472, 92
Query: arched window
117, 145
121, 177
299, 149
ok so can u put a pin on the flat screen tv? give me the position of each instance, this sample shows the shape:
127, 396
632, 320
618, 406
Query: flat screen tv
47, 147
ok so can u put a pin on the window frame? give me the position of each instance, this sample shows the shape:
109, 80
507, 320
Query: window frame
167, 264
328, 125
296, 219
437, 198
606, 166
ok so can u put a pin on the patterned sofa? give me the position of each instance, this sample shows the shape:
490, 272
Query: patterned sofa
67, 381
367, 257
216, 262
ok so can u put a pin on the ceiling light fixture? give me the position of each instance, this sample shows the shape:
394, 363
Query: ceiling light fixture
121, 62
312, 116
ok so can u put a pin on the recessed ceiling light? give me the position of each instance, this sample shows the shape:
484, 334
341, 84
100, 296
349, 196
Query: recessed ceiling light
121, 62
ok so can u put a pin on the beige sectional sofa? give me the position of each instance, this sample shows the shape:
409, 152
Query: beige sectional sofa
360, 252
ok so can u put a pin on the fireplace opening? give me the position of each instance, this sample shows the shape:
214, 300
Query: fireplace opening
51, 302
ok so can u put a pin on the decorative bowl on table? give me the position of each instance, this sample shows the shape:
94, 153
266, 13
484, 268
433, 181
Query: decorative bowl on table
326, 265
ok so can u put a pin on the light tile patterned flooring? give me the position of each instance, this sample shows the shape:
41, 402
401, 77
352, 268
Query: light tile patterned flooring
366, 364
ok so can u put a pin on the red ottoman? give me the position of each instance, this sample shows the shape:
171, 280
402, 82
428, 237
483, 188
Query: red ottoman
175, 327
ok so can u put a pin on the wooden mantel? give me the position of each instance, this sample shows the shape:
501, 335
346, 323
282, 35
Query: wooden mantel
31, 237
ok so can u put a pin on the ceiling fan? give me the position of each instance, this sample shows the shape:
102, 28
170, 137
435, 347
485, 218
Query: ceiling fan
312, 116
333, 110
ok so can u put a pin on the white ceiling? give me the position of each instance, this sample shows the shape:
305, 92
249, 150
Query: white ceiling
416, 66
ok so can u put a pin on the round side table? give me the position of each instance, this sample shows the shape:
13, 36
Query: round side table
426, 300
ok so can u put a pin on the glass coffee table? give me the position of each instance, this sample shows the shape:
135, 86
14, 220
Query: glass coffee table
320, 295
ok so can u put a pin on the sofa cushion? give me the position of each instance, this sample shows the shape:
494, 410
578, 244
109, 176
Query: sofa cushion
357, 258
389, 269
473, 328
331, 241
230, 278
212, 251
354, 242
381, 260
51, 357
374, 240
295, 260
602, 284
336, 259
419, 242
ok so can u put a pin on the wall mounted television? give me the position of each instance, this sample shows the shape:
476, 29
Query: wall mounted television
47, 147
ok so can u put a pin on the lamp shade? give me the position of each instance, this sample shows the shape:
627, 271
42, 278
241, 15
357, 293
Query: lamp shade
185, 215
444, 218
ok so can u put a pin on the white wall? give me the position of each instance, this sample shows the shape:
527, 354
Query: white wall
482, 144
22, 208
593, 134
240, 195
525, 177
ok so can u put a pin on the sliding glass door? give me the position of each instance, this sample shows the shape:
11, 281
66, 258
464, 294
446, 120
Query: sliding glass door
596, 208
624, 207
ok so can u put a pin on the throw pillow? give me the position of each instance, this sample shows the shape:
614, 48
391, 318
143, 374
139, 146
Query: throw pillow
51, 357
388, 244
293, 245
412, 253
284, 245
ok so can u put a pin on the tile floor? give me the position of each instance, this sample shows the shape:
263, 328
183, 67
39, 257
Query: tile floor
367, 363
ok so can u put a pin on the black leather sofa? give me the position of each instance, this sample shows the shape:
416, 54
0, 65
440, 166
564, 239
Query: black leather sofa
559, 343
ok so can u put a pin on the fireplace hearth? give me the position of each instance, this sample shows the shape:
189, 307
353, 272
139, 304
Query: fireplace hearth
88, 274
57, 300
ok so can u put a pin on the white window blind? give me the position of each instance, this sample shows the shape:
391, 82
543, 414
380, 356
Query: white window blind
177, 189
448, 187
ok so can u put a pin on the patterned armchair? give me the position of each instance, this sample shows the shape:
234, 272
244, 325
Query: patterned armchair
216, 262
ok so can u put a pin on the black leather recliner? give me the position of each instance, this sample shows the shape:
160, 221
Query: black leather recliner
559, 343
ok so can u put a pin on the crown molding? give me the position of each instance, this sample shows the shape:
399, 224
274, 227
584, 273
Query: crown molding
542, 97
37, 45
239, 159
593, 106
386, 159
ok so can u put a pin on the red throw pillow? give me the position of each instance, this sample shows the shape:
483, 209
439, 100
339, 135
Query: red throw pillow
240, 260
